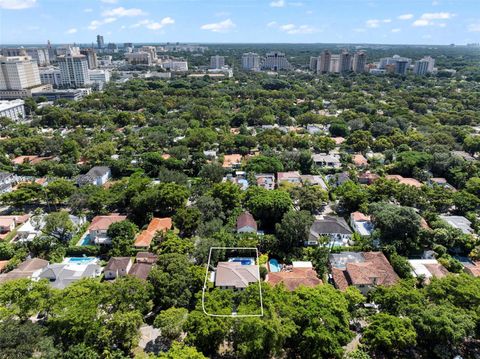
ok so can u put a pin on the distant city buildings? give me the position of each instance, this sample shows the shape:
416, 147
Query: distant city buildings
74, 68
139, 58
175, 65
424, 66
275, 61
359, 62
217, 62
91, 58
99, 78
50, 75
100, 43
251, 61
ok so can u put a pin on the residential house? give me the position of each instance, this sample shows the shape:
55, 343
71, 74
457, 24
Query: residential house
236, 276
314, 180
335, 228
440, 181
140, 270
117, 267
471, 267
427, 268
405, 180
292, 177
337, 179
361, 223
6, 182
98, 176
339, 140
327, 160
210, 154
146, 257
8, 224
240, 179
266, 180
359, 160
99, 227
300, 274
231, 162
63, 274
30, 229
33, 160
145, 238
246, 223
3, 265
364, 270
30, 268
367, 178
315, 129
458, 222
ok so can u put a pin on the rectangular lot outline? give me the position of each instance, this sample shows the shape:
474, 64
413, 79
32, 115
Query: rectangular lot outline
206, 279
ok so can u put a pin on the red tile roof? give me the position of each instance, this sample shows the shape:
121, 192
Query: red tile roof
145, 238
103, 222
406, 181
295, 278
246, 220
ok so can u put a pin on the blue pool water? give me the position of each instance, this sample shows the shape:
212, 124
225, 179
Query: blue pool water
81, 260
86, 240
243, 260
274, 265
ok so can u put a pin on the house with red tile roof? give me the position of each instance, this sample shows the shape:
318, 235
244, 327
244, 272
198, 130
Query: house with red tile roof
246, 223
364, 270
294, 278
99, 226
359, 160
145, 238
232, 161
405, 180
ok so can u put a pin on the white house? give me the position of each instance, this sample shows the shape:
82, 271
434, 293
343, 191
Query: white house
98, 175
335, 228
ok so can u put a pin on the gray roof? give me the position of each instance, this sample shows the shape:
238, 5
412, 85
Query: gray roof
117, 263
233, 274
61, 275
329, 225
458, 222
95, 172
340, 260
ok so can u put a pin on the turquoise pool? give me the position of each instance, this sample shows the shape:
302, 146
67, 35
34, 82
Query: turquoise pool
274, 265
86, 240
80, 260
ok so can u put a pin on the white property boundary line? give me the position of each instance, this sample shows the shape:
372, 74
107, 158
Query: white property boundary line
206, 279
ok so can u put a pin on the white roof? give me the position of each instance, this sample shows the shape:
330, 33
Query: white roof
419, 268
302, 264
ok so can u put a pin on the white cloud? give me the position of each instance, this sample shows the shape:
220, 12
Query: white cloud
296, 3
373, 23
293, 29
396, 30
153, 25
121, 12
222, 26
429, 19
94, 24
17, 4
108, 20
278, 3
272, 24
87, 10
405, 17
474, 27
71, 31
109, 1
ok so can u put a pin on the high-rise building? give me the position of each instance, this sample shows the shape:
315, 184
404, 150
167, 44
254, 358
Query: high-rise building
18, 73
128, 44
431, 63
391, 61
251, 61
313, 63
50, 75
217, 62
40, 55
100, 43
323, 64
345, 62
112, 46
359, 62
139, 58
152, 50
74, 68
421, 67
91, 58
401, 67
334, 63
275, 61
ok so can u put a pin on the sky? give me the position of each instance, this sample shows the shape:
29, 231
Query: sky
435, 22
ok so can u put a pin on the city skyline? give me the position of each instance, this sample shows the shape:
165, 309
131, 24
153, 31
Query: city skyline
438, 22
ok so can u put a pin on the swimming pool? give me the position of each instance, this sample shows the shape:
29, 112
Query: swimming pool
79, 260
243, 260
274, 265
86, 240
